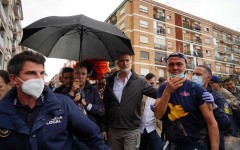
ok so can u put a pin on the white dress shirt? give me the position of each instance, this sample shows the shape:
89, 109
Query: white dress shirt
148, 118
119, 85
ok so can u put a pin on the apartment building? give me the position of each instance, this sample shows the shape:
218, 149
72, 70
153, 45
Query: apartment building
11, 32
156, 30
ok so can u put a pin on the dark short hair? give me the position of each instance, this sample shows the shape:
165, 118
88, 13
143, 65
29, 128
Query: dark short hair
207, 69
179, 55
87, 65
161, 79
67, 69
4, 74
228, 80
149, 76
16, 63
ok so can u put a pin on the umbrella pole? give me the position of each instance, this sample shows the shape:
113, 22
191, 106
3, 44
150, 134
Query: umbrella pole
81, 38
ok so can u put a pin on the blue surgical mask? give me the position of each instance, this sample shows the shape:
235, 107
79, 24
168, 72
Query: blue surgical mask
198, 80
181, 75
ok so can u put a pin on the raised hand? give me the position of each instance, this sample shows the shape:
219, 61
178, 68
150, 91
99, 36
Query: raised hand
173, 84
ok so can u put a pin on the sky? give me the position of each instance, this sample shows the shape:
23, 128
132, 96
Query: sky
223, 12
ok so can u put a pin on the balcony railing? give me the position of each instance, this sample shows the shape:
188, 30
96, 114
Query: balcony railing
199, 41
1, 41
190, 66
2, 13
159, 31
159, 62
197, 27
236, 51
187, 25
159, 46
14, 44
199, 54
218, 58
161, 18
227, 40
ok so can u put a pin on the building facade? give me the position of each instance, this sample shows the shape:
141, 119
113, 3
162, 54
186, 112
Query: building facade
156, 30
11, 31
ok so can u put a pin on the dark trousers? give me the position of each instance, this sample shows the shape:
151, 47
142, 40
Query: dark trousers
235, 126
151, 141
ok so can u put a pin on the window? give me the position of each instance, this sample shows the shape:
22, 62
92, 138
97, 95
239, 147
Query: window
169, 17
144, 39
227, 69
122, 11
170, 45
169, 30
144, 55
159, 43
144, 71
208, 53
161, 73
143, 9
207, 41
160, 57
143, 24
218, 68
206, 29
122, 26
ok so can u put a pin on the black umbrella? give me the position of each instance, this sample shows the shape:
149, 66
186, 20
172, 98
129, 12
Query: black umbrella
76, 38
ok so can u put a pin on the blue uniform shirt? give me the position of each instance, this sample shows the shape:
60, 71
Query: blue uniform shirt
53, 128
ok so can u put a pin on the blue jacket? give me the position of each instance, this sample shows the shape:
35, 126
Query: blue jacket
221, 114
92, 97
53, 129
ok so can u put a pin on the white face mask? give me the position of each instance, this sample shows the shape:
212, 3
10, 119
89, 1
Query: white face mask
33, 87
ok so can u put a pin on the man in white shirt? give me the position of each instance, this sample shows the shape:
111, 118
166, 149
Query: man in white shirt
149, 136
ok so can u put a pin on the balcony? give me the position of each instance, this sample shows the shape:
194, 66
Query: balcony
160, 59
197, 27
1, 41
190, 66
160, 62
159, 31
199, 54
198, 40
237, 51
17, 12
14, 44
218, 58
160, 46
113, 20
2, 13
187, 25
158, 17
227, 40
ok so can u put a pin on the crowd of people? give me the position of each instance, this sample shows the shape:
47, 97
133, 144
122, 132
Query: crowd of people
121, 111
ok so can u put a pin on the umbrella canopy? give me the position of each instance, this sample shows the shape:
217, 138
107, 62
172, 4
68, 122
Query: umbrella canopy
76, 38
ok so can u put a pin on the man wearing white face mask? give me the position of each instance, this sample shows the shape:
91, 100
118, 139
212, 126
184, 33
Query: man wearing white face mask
37, 118
202, 75
187, 114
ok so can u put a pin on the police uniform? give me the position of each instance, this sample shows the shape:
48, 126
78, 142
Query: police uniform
51, 129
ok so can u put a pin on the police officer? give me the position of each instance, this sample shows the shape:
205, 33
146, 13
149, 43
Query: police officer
35, 117
202, 75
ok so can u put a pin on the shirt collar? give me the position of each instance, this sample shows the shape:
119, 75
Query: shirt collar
40, 101
128, 76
